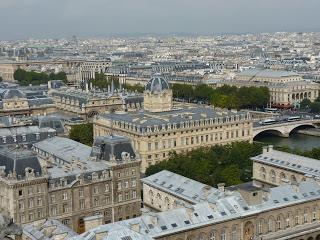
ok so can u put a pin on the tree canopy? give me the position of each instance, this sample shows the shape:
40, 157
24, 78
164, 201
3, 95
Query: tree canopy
25, 77
82, 133
230, 164
225, 96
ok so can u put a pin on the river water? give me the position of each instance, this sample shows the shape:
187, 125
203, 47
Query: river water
300, 141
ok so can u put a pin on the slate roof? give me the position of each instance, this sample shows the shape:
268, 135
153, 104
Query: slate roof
47, 230
143, 119
268, 73
182, 187
304, 165
228, 206
18, 159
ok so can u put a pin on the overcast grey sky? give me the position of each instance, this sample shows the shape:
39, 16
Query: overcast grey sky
90, 18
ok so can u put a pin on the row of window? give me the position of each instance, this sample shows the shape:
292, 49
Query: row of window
126, 184
23, 138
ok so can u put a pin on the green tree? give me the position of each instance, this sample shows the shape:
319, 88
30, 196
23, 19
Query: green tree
305, 103
229, 163
315, 107
82, 133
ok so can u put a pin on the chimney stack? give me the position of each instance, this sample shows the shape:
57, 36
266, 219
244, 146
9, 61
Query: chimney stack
221, 187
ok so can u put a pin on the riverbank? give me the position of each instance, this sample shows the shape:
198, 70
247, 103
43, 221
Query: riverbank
310, 132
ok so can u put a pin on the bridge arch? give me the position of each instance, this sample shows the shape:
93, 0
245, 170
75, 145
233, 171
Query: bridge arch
273, 132
302, 126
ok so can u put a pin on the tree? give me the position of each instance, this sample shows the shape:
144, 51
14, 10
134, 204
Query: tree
1, 79
82, 133
315, 107
305, 103
230, 164
35, 78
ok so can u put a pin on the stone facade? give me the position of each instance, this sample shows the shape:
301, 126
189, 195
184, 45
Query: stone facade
69, 188
183, 128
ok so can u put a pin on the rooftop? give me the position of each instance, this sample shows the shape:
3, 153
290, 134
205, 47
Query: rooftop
305, 165
268, 73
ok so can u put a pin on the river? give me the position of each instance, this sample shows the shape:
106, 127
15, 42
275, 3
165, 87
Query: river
300, 141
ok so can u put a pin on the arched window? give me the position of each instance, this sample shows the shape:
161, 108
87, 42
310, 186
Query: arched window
202, 236
263, 173
234, 233
279, 225
282, 176
158, 196
223, 235
212, 235
273, 176
314, 213
270, 225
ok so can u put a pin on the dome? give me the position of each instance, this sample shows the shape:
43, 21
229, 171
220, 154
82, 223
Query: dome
157, 84
13, 93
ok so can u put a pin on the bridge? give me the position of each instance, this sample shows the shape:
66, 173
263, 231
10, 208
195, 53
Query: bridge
284, 129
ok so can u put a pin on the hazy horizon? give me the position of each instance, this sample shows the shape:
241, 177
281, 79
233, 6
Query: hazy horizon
23, 19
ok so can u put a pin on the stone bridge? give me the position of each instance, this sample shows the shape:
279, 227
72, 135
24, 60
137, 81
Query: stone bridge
284, 129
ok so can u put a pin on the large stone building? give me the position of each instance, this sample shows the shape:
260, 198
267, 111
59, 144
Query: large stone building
162, 127
284, 212
287, 89
187, 210
68, 181
275, 168
87, 104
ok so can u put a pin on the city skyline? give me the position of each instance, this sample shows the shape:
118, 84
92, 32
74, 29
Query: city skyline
97, 18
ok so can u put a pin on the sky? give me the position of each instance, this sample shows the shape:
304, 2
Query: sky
21, 19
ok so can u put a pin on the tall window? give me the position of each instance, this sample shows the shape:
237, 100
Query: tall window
234, 233
223, 235
260, 227
65, 196
273, 176
278, 223
212, 235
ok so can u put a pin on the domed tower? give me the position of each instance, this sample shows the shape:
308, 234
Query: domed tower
157, 95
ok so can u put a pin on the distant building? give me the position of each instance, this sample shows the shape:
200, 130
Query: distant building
287, 89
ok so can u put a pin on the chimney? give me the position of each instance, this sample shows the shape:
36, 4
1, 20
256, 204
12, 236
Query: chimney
90, 85
221, 187
265, 150
270, 148
49, 85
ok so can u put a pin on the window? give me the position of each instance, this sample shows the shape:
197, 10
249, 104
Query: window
39, 202
81, 204
119, 185
270, 225
278, 223
223, 235
305, 217
234, 233
134, 194
126, 184
96, 202
96, 190
120, 198
133, 183
81, 192
133, 172
24, 138
20, 192
65, 221
149, 146
65, 208
107, 188
30, 191
52, 198
212, 235
21, 205
64, 196
31, 203
260, 227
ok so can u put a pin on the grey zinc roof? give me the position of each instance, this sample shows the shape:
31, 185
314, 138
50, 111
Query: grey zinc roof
230, 205
177, 116
47, 230
18, 159
268, 73
182, 187
305, 165
65, 149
